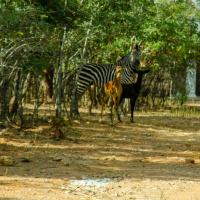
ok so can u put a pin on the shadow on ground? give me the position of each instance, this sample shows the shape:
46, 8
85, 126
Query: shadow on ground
155, 147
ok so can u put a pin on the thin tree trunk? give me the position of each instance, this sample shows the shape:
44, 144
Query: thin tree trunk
20, 110
86, 41
26, 86
14, 101
4, 87
48, 81
4, 100
36, 99
58, 89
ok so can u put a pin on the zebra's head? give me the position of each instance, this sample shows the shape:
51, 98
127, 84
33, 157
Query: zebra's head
135, 56
132, 59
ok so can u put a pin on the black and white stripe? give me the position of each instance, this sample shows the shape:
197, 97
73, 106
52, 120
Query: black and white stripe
100, 74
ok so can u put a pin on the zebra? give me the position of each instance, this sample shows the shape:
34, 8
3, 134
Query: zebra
100, 74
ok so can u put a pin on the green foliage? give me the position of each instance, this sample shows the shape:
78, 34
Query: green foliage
59, 11
181, 98
104, 29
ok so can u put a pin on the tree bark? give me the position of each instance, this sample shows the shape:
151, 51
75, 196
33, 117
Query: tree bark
58, 89
36, 99
4, 100
14, 101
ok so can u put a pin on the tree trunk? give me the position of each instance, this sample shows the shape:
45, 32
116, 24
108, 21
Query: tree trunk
25, 84
48, 81
58, 89
14, 101
36, 99
4, 100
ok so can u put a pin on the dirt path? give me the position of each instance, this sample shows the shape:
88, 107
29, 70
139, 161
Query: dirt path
158, 157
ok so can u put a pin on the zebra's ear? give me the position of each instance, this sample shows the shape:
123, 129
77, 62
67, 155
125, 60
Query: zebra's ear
133, 41
137, 47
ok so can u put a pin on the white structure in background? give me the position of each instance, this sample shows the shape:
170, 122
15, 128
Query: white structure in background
191, 70
191, 82
196, 3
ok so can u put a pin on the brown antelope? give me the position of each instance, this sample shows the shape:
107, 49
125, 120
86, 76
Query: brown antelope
113, 90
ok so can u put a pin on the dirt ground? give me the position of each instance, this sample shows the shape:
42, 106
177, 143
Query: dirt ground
156, 158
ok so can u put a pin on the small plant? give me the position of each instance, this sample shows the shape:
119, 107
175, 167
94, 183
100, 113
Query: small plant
62, 129
181, 98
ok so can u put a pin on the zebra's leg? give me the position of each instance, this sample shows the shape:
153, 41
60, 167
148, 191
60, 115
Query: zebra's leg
132, 101
91, 91
91, 105
121, 105
117, 109
104, 100
118, 114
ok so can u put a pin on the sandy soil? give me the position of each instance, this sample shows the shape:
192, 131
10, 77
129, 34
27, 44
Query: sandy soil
156, 158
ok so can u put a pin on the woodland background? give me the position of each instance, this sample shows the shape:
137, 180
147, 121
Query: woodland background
43, 42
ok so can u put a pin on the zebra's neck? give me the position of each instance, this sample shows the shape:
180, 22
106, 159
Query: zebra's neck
128, 76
